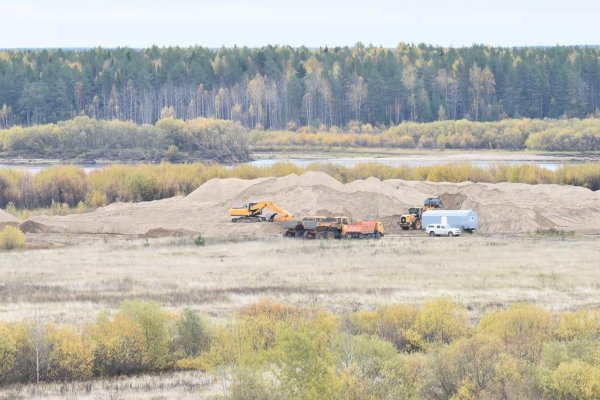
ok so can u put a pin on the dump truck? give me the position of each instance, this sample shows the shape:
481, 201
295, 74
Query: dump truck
329, 228
412, 219
364, 230
317, 227
253, 212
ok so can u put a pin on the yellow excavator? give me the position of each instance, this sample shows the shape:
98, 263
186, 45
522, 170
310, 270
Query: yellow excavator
253, 212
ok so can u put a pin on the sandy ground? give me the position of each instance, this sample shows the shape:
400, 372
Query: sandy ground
503, 207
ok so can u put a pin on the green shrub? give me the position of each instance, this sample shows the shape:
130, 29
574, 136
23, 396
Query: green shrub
154, 323
191, 336
307, 362
11, 238
199, 240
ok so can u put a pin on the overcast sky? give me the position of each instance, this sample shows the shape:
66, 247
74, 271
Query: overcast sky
213, 23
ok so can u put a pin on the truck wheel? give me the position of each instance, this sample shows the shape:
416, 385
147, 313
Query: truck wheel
377, 235
329, 235
306, 235
298, 234
319, 235
432, 234
418, 225
405, 228
450, 234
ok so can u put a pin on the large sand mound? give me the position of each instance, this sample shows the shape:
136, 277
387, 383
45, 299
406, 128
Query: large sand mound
7, 219
502, 207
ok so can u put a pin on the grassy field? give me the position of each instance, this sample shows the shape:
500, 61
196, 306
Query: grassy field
172, 386
72, 283
82, 275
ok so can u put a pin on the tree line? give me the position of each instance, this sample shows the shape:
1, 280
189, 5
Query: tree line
277, 87
271, 350
170, 139
511, 134
67, 186
84, 138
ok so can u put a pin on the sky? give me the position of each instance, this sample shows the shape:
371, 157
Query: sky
311, 23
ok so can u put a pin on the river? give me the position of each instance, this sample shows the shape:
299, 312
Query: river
480, 160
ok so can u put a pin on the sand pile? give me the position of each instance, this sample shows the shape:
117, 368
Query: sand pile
502, 207
217, 190
8, 219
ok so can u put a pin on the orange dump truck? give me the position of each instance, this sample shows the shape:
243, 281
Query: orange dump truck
364, 229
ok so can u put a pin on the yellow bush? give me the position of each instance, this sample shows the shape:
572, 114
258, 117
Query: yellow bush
70, 357
121, 346
363, 322
8, 353
192, 364
575, 380
395, 324
154, 323
61, 184
11, 238
262, 319
440, 321
523, 329
578, 324
96, 199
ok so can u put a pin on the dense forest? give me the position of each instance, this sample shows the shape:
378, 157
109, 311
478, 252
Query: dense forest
282, 87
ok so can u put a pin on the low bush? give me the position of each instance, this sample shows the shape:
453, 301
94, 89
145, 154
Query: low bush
11, 238
523, 329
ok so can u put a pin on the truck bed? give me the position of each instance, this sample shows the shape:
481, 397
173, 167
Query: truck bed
364, 227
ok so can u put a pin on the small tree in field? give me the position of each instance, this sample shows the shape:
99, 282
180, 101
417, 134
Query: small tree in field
191, 337
11, 238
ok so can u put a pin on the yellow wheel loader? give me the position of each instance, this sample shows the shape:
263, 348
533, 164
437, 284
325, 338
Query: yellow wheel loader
412, 220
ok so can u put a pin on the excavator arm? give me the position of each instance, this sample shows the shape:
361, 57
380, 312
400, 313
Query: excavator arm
252, 212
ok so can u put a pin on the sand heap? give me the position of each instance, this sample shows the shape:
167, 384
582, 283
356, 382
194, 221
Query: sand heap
502, 207
7, 219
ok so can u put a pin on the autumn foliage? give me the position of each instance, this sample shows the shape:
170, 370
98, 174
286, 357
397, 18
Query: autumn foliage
274, 350
67, 186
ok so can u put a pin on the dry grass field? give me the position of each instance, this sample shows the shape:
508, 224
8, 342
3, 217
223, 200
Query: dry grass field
73, 283
172, 386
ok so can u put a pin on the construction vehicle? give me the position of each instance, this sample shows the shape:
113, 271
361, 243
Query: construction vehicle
412, 220
317, 227
253, 212
364, 230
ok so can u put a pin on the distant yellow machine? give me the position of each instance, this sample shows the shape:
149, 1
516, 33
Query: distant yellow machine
253, 212
412, 220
